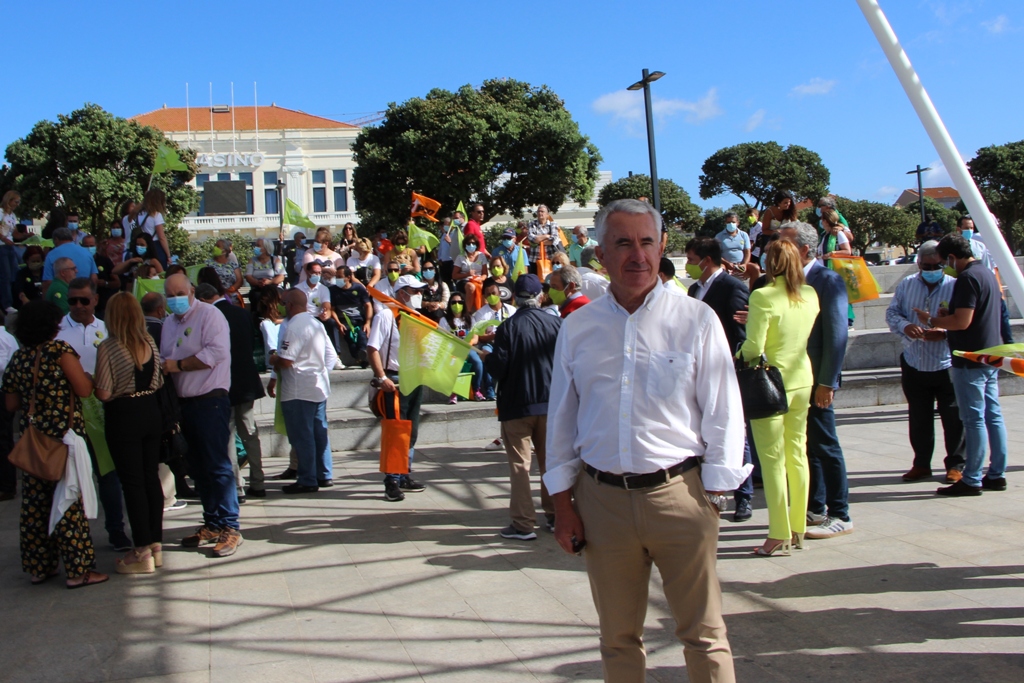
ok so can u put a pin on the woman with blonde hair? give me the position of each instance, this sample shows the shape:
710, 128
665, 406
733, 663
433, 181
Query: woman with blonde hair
150, 219
127, 379
364, 263
780, 320
8, 257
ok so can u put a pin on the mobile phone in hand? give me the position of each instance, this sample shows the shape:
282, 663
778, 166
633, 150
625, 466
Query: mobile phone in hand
578, 546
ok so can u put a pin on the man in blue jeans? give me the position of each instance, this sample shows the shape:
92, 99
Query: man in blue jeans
972, 323
303, 360
195, 346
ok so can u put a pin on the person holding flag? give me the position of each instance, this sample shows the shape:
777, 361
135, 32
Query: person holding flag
382, 352
514, 255
448, 248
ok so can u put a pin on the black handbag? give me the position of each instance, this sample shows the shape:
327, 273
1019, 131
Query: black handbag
762, 390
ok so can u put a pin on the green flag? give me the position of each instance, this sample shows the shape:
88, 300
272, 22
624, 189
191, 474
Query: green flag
293, 216
37, 241
145, 286
458, 232
418, 237
167, 160
428, 357
519, 267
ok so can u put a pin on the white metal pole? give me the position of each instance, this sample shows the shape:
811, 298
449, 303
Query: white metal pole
188, 121
961, 177
256, 113
233, 117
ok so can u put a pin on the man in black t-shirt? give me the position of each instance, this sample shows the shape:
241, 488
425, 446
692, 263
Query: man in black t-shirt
972, 323
350, 301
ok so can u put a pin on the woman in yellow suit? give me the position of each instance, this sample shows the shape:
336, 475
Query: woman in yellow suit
782, 314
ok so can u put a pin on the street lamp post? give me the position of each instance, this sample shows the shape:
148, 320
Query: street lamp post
920, 188
645, 84
280, 210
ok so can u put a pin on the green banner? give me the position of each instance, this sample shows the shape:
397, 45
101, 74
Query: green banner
428, 357
167, 160
293, 216
418, 237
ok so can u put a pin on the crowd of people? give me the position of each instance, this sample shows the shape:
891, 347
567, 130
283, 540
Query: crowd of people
163, 387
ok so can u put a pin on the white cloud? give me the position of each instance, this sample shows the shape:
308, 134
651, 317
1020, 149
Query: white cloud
937, 177
815, 86
755, 120
887, 191
998, 25
626, 107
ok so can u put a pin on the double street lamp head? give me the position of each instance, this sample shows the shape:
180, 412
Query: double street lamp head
649, 79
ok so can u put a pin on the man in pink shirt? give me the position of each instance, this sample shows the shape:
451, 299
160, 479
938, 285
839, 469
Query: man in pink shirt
195, 346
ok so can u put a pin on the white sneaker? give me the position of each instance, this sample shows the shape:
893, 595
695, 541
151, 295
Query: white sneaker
814, 519
495, 445
832, 526
338, 365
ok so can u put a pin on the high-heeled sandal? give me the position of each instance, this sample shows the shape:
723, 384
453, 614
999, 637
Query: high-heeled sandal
136, 562
157, 549
798, 541
782, 548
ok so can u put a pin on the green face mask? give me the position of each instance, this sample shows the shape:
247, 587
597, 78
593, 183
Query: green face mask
457, 309
498, 271
217, 251
282, 311
493, 300
557, 296
393, 276
751, 220
693, 271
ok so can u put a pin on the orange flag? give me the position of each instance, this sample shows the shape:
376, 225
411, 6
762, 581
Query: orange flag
398, 307
424, 206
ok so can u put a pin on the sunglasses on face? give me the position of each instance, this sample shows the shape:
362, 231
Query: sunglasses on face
394, 270
79, 300
931, 266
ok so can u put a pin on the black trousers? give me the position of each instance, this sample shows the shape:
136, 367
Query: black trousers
137, 460
445, 273
923, 391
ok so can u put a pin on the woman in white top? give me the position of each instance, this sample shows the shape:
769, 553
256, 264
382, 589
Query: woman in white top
348, 241
263, 271
834, 241
8, 257
322, 253
363, 257
149, 217
268, 310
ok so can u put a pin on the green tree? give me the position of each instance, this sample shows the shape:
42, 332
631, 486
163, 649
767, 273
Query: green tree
755, 171
945, 217
999, 172
873, 222
92, 161
676, 208
507, 145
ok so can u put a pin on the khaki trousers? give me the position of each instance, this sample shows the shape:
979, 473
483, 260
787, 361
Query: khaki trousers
675, 527
517, 436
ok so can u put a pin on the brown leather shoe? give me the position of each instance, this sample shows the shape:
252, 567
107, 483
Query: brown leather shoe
228, 543
953, 476
203, 535
917, 474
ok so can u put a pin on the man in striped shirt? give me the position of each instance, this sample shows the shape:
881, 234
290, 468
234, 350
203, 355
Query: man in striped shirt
925, 364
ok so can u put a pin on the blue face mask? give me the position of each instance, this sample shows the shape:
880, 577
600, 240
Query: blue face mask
933, 277
429, 274
178, 305
314, 280
470, 248
257, 252
72, 226
115, 232
817, 212
507, 244
557, 266
92, 250
141, 251
967, 234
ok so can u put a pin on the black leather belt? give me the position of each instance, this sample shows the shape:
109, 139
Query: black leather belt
216, 393
631, 482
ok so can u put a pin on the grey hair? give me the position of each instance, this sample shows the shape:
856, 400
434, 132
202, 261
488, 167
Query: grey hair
570, 276
730, 214
62, 263
806, 235
62, 235
528, 301
929, 248
633, 207
83, 283
587, 255
827, 201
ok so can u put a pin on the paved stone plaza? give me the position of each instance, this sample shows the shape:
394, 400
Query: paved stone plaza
342, 586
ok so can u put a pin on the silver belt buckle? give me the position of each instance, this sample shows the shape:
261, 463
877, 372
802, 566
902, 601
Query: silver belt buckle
625, 481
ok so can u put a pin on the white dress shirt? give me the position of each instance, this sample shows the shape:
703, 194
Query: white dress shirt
84, 339
316, 297
642, 392
385, 338
312, 354
487, 313
703, 287
8, 345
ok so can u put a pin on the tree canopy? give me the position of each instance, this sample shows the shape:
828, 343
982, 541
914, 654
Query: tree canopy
873, 222
755, 171
91, 161
999, 172
507, 145
676, 208
945, 217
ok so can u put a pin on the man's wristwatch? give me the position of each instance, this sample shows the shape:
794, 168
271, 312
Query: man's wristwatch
377, 382
718, 500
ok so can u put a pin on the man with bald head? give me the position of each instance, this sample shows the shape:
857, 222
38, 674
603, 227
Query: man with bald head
195, 346
303, 360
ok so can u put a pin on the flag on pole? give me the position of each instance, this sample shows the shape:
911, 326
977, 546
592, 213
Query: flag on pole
1009, 357
424, 206
167, 159
428, 357
860, 283
396, 307
418, 237
519, 265
293, 216
144, 286
458, 233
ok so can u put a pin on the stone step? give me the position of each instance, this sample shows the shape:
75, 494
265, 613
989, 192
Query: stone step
867, 349
882, 387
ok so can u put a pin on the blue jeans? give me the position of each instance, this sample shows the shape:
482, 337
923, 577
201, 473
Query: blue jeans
205, 424
485, 383
977, 396
828, 488
306, 422
8, 269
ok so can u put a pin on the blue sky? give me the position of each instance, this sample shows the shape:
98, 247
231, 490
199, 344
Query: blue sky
793, 71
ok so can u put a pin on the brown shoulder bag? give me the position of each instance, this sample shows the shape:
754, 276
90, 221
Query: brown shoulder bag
39, 454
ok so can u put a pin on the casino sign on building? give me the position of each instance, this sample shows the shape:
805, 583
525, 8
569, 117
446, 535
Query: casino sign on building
262, 146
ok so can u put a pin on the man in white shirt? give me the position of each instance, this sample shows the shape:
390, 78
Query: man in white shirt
644, 400
304, 357
84, 332
382, 352
318, 300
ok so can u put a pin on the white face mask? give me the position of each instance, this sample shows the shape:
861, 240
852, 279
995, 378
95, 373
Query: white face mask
415, 301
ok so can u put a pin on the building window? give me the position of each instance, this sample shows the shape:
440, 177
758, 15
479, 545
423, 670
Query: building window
319, 199
270, 178
270, 199
201, 178
341, 198
223, 176
340, 177
319, 177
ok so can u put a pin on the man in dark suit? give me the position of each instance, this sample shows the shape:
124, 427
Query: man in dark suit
246, 387
828, 510
726, 295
